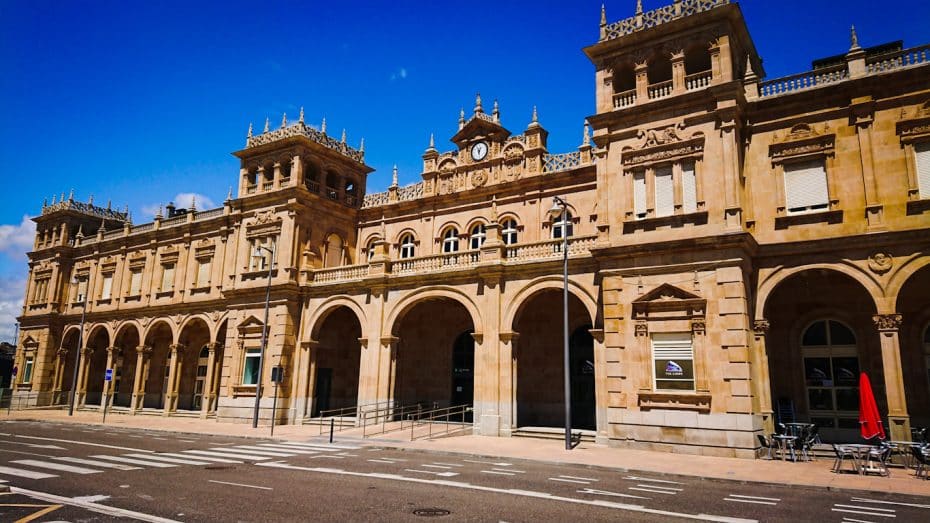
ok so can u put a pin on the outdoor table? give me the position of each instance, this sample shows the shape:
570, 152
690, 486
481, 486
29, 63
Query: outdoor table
861, 451
796, 429
785, 443
904, 448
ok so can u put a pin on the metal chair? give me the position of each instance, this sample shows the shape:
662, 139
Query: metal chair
922, 462
768, 444
878, 459
808, 437
842, 453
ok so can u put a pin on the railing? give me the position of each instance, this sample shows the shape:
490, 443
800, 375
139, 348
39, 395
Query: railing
698, 80
267, 186
897, 59
447, 415
577, 245
452, 260
337, 413
382, 414
174, 221
205, 215
344, 273
312, 186
113, 234
144, 227
251, 188
802, 81
561, 162
659, 90
625, 99
332, 194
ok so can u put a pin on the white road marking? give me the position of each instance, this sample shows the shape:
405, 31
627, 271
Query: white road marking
864, 508
865, 500
660, 487
851, 520
515, 492
288, 448
443, 474
653, 491
608, 493
132, 461
168, 459
576, 477
754, 497
637, 478
33, 445
864, 513
257, 452
55, 466
30, 474
188, 440
435, 466
87, 505
130, 449
96, 463
221, 454
322, 445
518, 471
498, 472
755, 501
327, 456
239, 484
447, 464
486, 463
570, 481
217, 460
91, 499
309, 446
385, 461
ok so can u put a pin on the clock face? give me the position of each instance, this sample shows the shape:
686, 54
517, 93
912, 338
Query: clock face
479, 151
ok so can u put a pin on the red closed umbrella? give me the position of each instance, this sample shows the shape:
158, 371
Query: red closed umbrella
870, 424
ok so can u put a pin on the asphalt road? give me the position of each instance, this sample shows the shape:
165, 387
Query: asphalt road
66, 472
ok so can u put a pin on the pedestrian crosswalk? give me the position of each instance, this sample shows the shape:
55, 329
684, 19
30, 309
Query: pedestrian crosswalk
45, 467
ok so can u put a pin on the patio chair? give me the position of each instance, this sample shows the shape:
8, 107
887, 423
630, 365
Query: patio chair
922, 462
782, 429
842, 454
806, 441
878, 459
767, 443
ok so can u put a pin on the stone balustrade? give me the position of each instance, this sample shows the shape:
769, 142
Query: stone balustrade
438, 262
625, 99
577, 246
647, 19
659, 90
803, 81
561, 162
344, 273
897, 59
698, 80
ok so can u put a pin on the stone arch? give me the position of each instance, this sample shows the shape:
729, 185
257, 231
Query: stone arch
217, 325
902, 274
477, 220
194, 317
451, 224
405, 231
127, 324
91, 331
538, 285
326, 308
772, 281
161, 321
409, 301
76, 329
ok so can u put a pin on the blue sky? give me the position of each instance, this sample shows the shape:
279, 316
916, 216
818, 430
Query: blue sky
140, 102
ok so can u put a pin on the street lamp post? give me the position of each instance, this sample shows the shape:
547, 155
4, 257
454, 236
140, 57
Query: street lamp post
77, 357
261, 351
560, 210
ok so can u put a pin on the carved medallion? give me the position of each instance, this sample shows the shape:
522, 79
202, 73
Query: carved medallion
479, 178
880, 262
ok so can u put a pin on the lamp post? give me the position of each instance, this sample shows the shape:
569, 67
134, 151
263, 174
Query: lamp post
257, 254
77, 357
560, 210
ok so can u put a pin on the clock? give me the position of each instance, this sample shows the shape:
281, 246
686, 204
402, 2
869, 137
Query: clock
479, 151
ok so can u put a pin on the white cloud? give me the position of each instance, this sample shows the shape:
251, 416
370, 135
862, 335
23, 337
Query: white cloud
400, 74
182, 200
12, 291
16, 240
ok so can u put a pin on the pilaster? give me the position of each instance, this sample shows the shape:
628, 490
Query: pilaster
888, 326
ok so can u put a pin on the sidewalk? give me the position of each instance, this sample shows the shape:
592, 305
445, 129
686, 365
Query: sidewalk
816, 474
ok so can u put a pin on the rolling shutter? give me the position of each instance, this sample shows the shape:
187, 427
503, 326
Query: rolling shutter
922, 151
639, 194
805, 187
665, 192
688, 188
673, 360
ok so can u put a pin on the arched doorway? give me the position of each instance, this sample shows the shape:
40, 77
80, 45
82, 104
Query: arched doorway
540, 394
98, 341
831, 374
435, 355
124, 365
335, 362
913, 304
194, 339
68, 357
159, 338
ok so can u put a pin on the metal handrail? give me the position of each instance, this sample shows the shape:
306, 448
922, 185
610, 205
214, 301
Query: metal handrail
384, 413
336, 413
431, 416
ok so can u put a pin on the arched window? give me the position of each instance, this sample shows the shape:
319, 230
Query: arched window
509, 231
370, 249
334, 249
450, 240
478, 235
831, 373
407, 246
562, 226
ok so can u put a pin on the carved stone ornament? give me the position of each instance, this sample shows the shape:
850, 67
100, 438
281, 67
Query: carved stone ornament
915, 125
880, 262
887, 322
803, 139
698, 326
641, 328
479, 178
761, 326
653, 137
264, 217
657, 145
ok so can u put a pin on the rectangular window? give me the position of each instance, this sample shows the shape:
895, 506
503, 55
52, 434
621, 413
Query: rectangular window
27, 370
106, 288
135, 282
41, 291
665, 191
81, 291
167, 277
263, 260
250, 368
639, 194
806, 187
922, 151
203, 273
688, 188
673, 361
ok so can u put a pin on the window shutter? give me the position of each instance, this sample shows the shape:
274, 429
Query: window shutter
107, 287
135, 283
805, 186
688, 188
672, 346
167, 278
639, 194
922, 151
203, 273
665, 192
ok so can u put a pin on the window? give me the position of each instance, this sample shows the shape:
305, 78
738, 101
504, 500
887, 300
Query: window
639, 194
106, 288
40, 293
265, 247
688, 188
509, 231
27, 369
664, 192
334, 247
450, 240
81, 290
806, 187
370, 250
135, 282
562, 226
250, 367
665, 179
922, 151
203, 273
673, 361
831, 374
407, 246
167, 277
478, 236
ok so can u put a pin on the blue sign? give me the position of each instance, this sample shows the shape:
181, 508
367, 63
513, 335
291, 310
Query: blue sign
108, 376
15, 370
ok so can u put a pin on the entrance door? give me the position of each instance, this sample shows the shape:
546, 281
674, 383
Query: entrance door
463, 371
200, 380
581, 346
831, 369
324, 390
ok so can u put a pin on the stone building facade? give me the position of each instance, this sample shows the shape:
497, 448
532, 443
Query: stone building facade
739, 249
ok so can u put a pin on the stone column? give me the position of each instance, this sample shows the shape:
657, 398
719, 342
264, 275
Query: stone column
888, 326
84, 370
143, 359
600, 384
387, 369
206, 402
107, 385
174, 377
58, 380
313, 351
761, 382
508, 382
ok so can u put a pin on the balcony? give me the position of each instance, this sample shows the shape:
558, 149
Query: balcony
625, 99
698, 80
659, 90
439, 262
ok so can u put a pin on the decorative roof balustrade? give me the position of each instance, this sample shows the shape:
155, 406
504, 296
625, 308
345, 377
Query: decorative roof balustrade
344, 273
438, 262
802, 81
302, 129
199, 216
897, 59
85, 208
376, 199
561, 162
577, 246
410, 192
644, 20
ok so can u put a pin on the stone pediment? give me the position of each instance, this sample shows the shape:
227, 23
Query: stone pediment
481, 125
667, 297
250, 325
802, 140
662, 145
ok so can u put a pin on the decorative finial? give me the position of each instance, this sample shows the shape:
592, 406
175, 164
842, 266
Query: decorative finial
323, 126
496, 113
639, 7
53, 199
90, 199
478, 108
587, 137
461, 118
853, 37
394, 176
128, 216
44, 203
193, 203
103, 226
267, 124
494, 208
284, 121
343, 136
108, 204
750, 73
249, 135
361, 146
603, 15
126, 209
158, 215
229, 194
432, 141
80, 233
301, 120
70, 196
